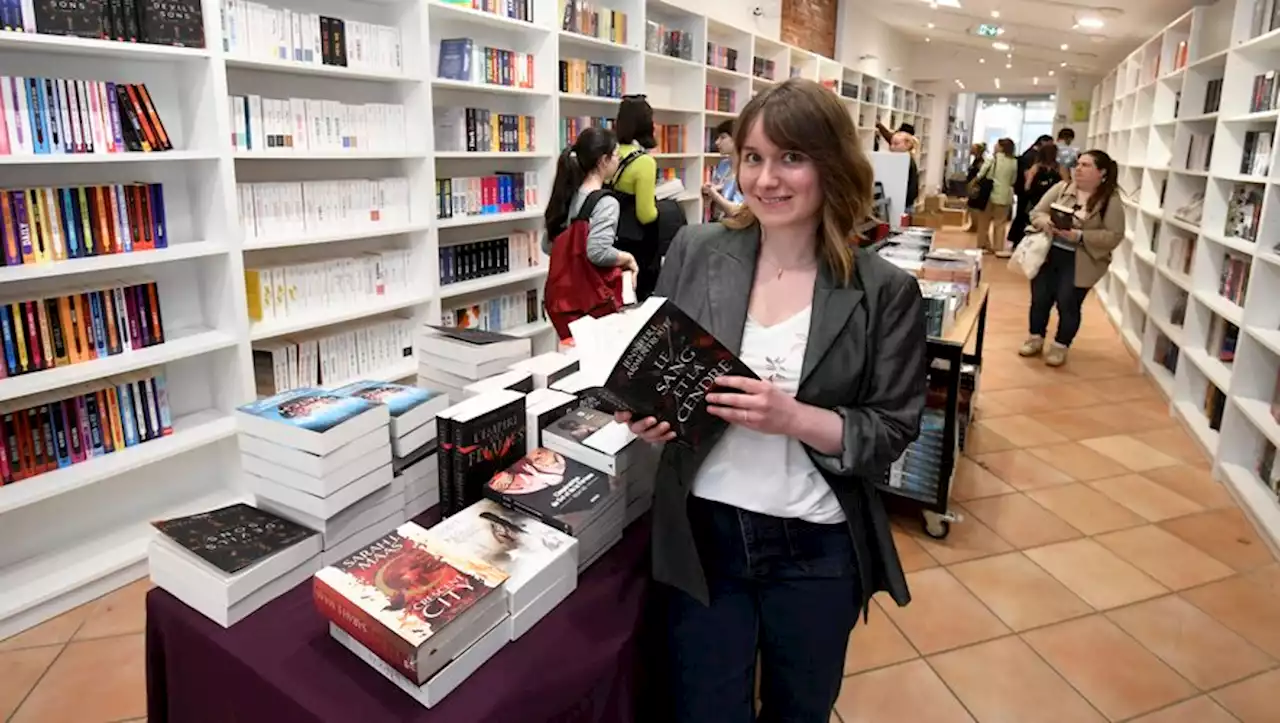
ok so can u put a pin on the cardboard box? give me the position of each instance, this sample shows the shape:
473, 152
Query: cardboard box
953, 217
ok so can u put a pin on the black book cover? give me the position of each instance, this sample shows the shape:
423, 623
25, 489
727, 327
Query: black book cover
1063, 217
555, 489
78, 18
483, 446
233, 538
473, 336
666, 371
172, 22
444, 465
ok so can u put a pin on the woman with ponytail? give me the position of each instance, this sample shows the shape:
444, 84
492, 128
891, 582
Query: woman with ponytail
585, 167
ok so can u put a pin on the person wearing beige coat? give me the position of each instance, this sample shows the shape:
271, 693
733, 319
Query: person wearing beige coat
1079, 256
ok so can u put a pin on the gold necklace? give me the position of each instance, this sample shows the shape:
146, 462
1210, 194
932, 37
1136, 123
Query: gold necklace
783, 269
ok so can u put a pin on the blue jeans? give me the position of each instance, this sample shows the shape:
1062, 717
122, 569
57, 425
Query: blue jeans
783, 588
1055, 285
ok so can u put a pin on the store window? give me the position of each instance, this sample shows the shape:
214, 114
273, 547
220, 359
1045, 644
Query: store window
1022, 118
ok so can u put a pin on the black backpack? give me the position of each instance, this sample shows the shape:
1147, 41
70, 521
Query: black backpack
648, 243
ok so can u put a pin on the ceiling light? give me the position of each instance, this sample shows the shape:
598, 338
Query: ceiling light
1009, 56
1000, 45
997, 84
1035, 80
982, 60
1008, 65
927, 39
1090, 23
1053, 96
929, 25
995, 13
1064, 46
1051, 73
1063, 64
1003, 99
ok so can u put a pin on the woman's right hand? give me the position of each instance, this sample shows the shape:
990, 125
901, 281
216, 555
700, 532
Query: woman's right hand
648, 429
627, 262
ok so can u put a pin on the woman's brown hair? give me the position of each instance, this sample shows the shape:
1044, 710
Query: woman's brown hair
801, 116
1005, 146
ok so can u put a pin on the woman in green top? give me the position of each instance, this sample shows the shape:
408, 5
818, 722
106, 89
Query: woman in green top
634, 127
993, 221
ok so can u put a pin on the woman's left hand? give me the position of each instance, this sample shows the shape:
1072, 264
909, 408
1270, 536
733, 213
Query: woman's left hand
757, 405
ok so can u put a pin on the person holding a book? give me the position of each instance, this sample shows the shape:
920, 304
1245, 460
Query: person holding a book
1085, 219
722, 192
769, 537
585, 167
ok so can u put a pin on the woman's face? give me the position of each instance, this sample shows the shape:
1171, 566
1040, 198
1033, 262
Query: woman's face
900, 143
780, 186
1086, 174
724, 144
609, 164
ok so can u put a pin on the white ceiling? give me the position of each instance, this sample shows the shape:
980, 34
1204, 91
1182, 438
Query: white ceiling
1036, 30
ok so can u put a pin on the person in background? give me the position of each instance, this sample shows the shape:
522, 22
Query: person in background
887, 134
1067, 153
1079, 255
977, 156
634, 126
771, 540
1043, 174
992, 221
585, 167
903, 142
722, 191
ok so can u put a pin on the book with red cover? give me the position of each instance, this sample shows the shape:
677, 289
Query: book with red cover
410, 601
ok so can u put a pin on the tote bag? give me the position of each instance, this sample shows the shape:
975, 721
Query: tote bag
1030, 254
980, 189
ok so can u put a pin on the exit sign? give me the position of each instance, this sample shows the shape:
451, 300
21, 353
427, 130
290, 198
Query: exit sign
988, 31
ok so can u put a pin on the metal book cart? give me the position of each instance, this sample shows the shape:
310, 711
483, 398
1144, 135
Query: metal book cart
954, 358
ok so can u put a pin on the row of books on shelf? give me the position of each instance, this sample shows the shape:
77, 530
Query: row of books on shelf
292, 209
79, 326
586, 18
512, 9
1222, 340
281, 125
261, 32
585, 77
722, 56
570, 127
1264, 17
281, 291
1199, 151
56, 116
496, 314
1182, 251
1244, 212
721, 100
767, 69
1166, 353
55, 430
668, 41
516, 251
1255, 160
478, 130
43, 225
1213, 95
157, 22
502, 192
1235, 279
1265, 93
331, 357
668, 137
1268, 473
463, 60
1215, 404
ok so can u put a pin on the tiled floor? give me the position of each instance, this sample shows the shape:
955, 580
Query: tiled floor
1100, 574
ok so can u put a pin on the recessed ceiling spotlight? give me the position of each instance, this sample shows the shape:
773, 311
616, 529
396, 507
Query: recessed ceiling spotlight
1008, 65
1003, 99
1063, 64
995, 13
927, 39
929, 25
982, 60
1064, 46
1051, 73
1035, 80
997, 84
1053, 96
1090, 23
1009, 56
998, 45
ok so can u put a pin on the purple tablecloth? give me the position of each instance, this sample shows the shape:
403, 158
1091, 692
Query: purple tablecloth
580, 664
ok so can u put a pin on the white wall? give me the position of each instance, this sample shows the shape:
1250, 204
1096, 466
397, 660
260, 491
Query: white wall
859, 33
1072, 88
948, 62
738, 13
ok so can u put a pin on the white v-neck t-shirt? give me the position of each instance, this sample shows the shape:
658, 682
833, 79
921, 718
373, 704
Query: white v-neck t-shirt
768, 473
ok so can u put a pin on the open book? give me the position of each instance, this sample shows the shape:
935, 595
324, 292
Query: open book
655, 361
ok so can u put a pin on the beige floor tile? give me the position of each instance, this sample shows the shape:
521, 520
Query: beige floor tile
1116, 674
1004, 681
1022, 470
1020, 521
110, 672
1078, 461
51, 632
1192, 643
906, 692
876, 644
1095, 573
1253, 700
1130, 452
1226, 535
19, 672
1123, 389
1196, 710
1153, 501
1019, 591
1174, 442
1194, 483
1048, 398
1085, 509
980, 440
1246, 607
972, 481
910, 553
943, 614
1171, 561
118, 613
968, 540
1023, 431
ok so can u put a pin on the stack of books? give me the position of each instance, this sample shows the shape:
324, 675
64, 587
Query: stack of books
323, 461
227, 563
542, 407
422, 615
547, 369
478, 438
593, 438
450, 359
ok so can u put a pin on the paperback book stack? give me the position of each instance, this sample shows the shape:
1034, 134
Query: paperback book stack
227, 563
595, 439
323, 461
450, 359
478, 438
412, 429
423, 616
541, 563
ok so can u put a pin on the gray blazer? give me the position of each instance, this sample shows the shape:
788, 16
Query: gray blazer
865, 359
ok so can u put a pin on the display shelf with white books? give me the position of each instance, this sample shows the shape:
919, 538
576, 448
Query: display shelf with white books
1200, 100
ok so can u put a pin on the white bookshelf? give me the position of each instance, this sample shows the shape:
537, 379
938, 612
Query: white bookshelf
70, 535
1152, 115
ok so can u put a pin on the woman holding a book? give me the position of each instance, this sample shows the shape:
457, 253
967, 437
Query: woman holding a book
1085, 220
769, 537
